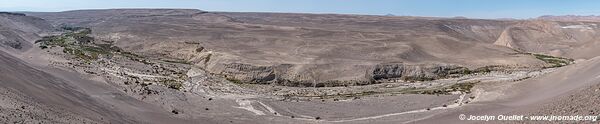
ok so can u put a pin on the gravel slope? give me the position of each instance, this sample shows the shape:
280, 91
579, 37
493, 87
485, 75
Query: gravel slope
31, 95
572, 90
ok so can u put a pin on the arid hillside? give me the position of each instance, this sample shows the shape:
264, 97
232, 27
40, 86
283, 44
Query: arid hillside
572, 90
17, 30
329, 50
193, 66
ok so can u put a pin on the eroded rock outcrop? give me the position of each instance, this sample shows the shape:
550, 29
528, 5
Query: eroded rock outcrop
286, 75
249, 73
420, 72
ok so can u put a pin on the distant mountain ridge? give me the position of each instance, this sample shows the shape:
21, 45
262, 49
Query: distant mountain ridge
570, 18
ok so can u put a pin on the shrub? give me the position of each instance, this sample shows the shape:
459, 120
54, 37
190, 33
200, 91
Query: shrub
172, 84
233, 80
199, 49
554, 61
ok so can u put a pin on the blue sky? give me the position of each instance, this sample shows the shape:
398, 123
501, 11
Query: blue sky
438, 8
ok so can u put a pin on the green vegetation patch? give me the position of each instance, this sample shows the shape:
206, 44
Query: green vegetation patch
445, 90
71, 28
339, 95
77, 42
553, 60
233, 80
177, 61
417, 78
485, 69
462, 87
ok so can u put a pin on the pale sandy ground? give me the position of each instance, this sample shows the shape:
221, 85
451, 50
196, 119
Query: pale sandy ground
366, 107
380, 111
529, 93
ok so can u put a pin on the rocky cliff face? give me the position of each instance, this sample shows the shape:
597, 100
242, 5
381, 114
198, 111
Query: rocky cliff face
420, 72
249, 73
286, 75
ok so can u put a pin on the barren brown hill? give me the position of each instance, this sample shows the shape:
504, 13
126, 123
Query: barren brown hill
193, 66
283, 48
17, 30
568, 39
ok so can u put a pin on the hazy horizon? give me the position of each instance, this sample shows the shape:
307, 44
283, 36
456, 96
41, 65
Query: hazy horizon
428, 8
